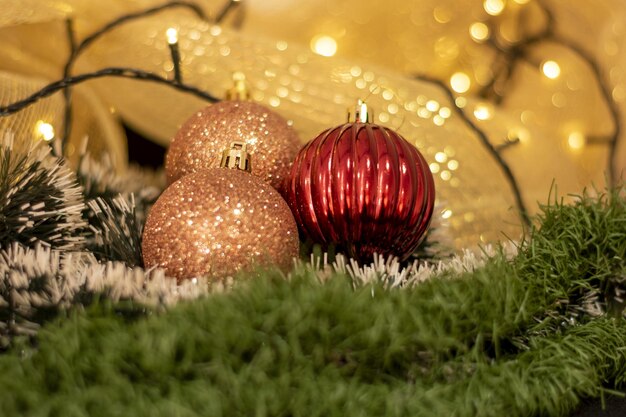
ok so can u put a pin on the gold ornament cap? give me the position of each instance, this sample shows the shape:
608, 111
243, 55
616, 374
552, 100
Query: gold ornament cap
239, 91
237, 157
360, 113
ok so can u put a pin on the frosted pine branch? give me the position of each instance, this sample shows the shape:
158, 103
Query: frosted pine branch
101, 179
40, 200
392, 274
37, 283
116, 229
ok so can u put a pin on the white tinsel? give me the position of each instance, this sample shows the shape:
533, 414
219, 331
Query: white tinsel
39, 279
36, 279
393, 275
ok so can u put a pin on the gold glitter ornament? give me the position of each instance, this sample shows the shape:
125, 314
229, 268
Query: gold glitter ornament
271, 141
217, 222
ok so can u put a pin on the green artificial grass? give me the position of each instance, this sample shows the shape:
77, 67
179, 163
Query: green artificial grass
527, 336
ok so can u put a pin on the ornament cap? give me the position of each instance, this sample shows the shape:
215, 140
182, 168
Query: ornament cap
237, 157
239, 91
360, 113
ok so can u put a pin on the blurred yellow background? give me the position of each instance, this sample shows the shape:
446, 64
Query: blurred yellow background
311, 60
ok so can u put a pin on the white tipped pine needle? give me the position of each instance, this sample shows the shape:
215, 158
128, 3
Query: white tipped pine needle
392, 274
40, 200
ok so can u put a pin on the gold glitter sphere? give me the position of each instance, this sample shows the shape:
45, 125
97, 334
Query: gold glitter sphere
271, 141
217, 222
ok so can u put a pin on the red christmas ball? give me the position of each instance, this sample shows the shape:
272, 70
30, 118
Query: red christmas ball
364, 188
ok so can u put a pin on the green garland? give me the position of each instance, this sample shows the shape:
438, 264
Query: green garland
527, 336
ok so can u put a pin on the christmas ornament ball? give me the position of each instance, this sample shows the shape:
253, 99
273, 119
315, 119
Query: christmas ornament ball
271, 141
364, 188
217, 222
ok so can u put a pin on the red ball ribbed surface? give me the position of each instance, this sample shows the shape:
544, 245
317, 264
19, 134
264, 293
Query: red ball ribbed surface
363, 187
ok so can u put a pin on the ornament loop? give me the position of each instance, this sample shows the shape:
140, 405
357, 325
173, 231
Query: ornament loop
237, 157
239, 91
360, 113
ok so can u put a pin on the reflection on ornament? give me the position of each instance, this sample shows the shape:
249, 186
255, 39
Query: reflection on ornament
218, 222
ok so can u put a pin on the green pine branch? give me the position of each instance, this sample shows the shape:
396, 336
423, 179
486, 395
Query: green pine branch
514, 337
40, 201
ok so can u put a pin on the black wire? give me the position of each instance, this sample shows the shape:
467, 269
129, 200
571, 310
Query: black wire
124, 19
225, 10
119, 72
482, 136
519, 51
138, 15
613, 139
67, 93
76, 50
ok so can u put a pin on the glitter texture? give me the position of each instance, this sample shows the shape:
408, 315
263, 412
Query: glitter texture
272, 143
217, 222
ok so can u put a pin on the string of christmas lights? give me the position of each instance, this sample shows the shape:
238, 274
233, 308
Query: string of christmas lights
120, 72
76, 49
511, 55
494, 152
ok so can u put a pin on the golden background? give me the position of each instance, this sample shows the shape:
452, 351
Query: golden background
373, 51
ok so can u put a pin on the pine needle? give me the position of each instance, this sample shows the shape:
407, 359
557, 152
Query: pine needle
40, 201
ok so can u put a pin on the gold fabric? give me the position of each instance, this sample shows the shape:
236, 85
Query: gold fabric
378, 48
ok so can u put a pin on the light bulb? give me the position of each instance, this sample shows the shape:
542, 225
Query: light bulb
324, 45
172, 36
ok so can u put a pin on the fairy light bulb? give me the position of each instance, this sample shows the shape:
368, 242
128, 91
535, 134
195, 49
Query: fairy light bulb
324, 45
172, 36
479, 31
493, 7
551, 69
432, 105
172, 41
576, 140
44, 130
460, 82
483, 112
